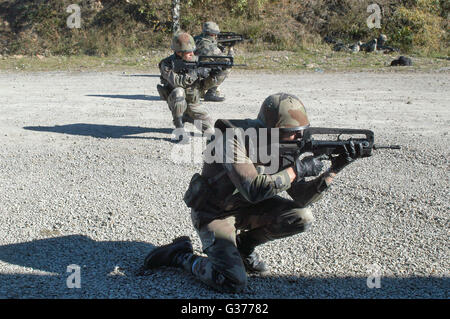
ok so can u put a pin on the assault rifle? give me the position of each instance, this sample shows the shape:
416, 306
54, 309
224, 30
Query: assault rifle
210, 62
290, 150
229, 39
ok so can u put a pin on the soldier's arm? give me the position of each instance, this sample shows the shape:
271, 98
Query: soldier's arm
208, 48
306, 193
175, 79
254, 187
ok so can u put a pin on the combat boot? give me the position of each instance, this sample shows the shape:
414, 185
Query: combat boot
212, 96
182, 135
250, 257
177, 254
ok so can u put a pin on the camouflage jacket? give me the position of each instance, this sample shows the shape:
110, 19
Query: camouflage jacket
243, 183
170, 78
206, 45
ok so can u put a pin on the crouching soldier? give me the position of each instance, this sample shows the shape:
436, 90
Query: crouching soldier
206, 44
235, 205
182, 89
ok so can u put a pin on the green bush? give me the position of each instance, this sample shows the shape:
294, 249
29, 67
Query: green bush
420, 27
411, 25
120, 26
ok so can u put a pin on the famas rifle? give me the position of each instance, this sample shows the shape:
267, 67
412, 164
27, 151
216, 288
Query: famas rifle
229, 39
211, 62
326, 148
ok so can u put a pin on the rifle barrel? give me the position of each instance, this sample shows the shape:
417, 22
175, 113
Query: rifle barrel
393, 147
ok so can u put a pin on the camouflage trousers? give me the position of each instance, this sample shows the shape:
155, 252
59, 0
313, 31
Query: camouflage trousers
271, 219
215, 81
186, 103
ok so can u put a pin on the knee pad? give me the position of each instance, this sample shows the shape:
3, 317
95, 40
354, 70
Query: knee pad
291, 222
177, 102
177, 95
227, 283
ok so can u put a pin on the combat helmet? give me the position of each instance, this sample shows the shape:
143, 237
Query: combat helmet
210, 27
284, 111
183, 42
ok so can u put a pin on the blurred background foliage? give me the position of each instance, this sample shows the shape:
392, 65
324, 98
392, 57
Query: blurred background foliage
121, 26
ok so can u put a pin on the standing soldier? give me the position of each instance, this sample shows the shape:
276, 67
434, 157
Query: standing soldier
182, 90
207, 45
238, 195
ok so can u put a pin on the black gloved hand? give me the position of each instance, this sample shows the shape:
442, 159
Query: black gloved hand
191, 76
203, 73
352, 152
215, 71
308, 166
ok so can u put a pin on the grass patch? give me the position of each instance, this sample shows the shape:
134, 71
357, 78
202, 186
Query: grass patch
321, 59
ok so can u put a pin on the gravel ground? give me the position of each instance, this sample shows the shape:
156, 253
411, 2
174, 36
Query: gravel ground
87, 179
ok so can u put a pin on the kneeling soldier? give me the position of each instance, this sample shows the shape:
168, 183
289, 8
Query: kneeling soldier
206, 44
232, 196
182, 90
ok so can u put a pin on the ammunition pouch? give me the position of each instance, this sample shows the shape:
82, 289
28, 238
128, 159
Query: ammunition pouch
198, 192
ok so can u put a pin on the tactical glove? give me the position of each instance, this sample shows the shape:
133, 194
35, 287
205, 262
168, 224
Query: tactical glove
352, 152
215, 71
191, 77
308, 166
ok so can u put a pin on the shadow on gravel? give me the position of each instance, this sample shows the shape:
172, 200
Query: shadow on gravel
111, 269
130, 97
101, 263
351, 287
103, 131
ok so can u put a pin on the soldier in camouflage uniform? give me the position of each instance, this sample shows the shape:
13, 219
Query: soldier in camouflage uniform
228, 197
206, 44
182, 91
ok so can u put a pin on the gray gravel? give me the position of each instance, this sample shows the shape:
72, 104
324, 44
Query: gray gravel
86, 178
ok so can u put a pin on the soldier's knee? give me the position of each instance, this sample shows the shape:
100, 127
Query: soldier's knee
177, 95
227, 268
231, 282
177, 101
294, 221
